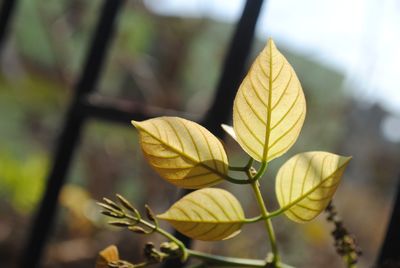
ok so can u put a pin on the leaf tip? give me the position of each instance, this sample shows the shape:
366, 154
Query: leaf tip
162, 216
346, 159
135, 123
271, 43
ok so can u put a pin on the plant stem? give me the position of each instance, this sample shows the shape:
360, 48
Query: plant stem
163, 233
243, 169
268, 224
233, 168
220, 261
225, 261
259, 173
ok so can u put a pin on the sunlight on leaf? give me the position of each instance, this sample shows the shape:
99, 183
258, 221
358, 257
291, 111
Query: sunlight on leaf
183, 152
307, 182
270, 107
207, 214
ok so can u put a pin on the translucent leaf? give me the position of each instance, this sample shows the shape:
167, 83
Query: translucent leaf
206, 214
306, 183
183, 152
106, 256
269, 107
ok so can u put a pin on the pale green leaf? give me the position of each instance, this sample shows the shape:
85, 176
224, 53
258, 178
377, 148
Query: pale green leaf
183, 152
207, 214
229, 130
269, 107
306, 183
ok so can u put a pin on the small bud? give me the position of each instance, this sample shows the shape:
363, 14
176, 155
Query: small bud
148, 248
126, 204
137, 229
110, 208
111, 203
170, 248
150, 213
252, 171
113, 214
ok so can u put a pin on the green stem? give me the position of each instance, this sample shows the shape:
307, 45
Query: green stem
243, 169
246, 168
254, 219
268, 223
259, 173
233, 168
262, 217
165, 234
220, 261
225, 261
236, 181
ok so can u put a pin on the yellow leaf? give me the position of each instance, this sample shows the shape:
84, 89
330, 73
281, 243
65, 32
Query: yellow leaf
106, 256
183, 152
269, 107
207, 214
306, 183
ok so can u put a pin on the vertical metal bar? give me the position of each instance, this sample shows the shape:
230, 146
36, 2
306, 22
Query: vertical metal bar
231, 77
70, 134
7, 9
390, 251
233, 69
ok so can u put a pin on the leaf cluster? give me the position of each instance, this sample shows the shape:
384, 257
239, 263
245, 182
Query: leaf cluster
268, 115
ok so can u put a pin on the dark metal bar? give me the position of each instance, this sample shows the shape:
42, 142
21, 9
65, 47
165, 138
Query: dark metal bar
7, 9
123, 111
233, 69
70, 135
231, 77
390, 251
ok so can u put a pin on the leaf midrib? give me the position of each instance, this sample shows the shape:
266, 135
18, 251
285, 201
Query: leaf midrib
268, 126
297, 200
197, 221
183, 153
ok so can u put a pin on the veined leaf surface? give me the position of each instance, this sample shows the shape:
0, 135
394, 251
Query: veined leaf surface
207, 214
269, 107
306, 183
183, 152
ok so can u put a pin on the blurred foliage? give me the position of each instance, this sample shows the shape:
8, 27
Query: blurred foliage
26, 117
21, 180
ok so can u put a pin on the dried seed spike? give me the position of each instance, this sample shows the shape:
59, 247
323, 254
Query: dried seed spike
120, 223
126, 204
149, 213
170, 248
137, 229
148, 248
109, 208
111, 203
113, 214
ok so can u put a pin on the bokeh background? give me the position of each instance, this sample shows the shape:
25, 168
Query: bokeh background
169, 54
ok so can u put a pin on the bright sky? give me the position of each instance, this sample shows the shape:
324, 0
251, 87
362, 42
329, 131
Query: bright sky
361, 38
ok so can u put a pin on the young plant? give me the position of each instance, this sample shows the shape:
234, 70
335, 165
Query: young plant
268, 114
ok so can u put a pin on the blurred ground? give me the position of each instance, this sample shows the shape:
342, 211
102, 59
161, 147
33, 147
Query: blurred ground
172, 63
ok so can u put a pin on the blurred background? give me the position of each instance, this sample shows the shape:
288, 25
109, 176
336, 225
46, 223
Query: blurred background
169, 54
